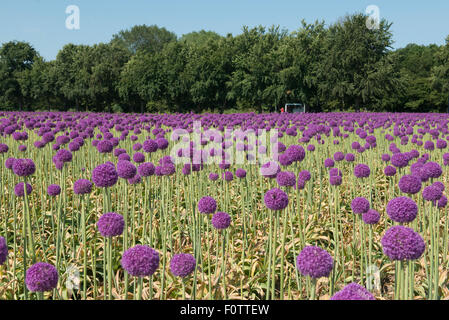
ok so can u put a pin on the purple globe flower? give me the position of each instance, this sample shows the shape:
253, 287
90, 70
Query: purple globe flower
150, 146
64, 155
207, 205
41, 277
328, 163
3, 148
23, 167
339, 156
335, 172
82, 186
371, 217
385, 157
19, 189
146, 169
335, 180
286, 179
439, 185
105, 146
442, 202
135, 180
314, 262
140, 261
410, 184
3, 250
221, 220
240, 173
111, 224
362, 171
353, 291
402, 243
126, 170
9, 163
360, 205
399, 160
270, 169
53, 190
22, 148
350, 157
389, 171
304, 175
162, 143
213, 176
276, 199
182, 264
228, 176
123, 157
432, 193
105, 175
296, 153
433, 169
138, 157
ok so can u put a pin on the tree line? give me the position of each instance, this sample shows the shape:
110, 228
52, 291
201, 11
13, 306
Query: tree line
339, 67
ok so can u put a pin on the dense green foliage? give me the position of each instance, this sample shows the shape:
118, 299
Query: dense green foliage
343, 66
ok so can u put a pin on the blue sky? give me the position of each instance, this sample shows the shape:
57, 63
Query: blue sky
42, 22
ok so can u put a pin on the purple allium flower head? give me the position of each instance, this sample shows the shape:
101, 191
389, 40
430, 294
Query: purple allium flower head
221, 220
41, 277
53, 190
304, 175
124, 157
22, 148
23, 167
386, 157
402, 209
429, 145
285, 160
432, 193
146, 169
353, 291
433, 169
126, 170
135, 180
286, 179
82, 186
140, 261
207, 205
139, 157
360, 205
399, 160
104, 175
439, 184
335, 172
310, 147
105, 146
296, 153
410, 184
328, 163
402, 243
442, 202
335, 180
350, 157
339, 156
3, 148
19, 189
228, 176
3, 250
240, 173
182, 264
362, 171
389, 171
9, 163
371, 217
64, 155
150, 146
213, 176
276, 199
162, 143
111, 224
314, 262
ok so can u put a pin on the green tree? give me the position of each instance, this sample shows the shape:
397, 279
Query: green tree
142, 37
15, 58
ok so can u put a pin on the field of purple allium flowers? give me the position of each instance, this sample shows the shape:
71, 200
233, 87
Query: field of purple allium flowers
238, 206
